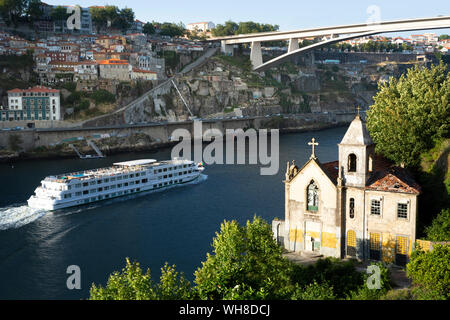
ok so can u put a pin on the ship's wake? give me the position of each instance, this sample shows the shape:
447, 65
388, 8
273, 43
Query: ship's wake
14, 217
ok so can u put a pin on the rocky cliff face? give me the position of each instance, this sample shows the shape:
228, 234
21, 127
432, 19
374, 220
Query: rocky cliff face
225, 87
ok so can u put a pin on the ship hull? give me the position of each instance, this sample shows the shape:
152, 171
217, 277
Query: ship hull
50, 205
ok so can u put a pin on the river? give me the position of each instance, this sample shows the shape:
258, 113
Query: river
175, 226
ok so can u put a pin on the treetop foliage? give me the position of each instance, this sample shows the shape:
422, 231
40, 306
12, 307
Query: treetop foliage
411, 114
246, 263
439, 230
112, 17
231, 28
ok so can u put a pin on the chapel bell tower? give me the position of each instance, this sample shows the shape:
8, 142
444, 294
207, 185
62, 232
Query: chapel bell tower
356, 152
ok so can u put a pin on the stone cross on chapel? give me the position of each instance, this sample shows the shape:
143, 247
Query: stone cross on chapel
313, 143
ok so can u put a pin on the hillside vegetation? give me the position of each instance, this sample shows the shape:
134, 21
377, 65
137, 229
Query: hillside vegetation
409, 122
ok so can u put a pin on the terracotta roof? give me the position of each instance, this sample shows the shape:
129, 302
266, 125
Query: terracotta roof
393, 179
385, 176
34, 89
143, 71
331, 169
113, 61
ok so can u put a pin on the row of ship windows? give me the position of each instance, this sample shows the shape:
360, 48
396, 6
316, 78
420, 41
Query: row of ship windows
85, 184
172, 168
92, 191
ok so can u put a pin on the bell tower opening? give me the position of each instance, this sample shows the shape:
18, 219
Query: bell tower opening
352, 163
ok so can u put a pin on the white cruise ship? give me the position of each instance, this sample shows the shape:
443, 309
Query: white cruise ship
123, 178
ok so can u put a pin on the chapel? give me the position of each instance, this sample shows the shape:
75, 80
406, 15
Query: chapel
360, 206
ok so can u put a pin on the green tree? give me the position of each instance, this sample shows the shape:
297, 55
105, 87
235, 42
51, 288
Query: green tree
411, 113
33, 10
246, 262
99, 18
148, 28
130, 284
12, 10
232, 28
439, 230
112, 17
124, 19
133, 284
172, 29
431, 270
444, 37
228, 29
172, 285
59, 15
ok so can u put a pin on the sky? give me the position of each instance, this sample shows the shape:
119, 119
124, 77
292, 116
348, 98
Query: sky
288, 14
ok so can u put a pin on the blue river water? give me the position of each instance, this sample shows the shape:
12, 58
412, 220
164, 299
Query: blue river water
175, 226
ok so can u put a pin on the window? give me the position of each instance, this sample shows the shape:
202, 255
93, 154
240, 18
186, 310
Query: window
375, 207
313, 197
370, 163
352, 208
402, 210
352, 163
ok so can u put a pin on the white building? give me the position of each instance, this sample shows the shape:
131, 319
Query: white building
37, 103
200, 26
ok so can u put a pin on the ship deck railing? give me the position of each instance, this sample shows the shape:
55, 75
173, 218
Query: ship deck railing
101, 173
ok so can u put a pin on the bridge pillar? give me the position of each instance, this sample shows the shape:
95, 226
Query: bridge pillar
256, 54
293, 45
227, 49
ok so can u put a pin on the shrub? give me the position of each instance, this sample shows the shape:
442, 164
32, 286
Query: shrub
366, 293
315, 291
431, 270
440, 227
102, 96
340, 275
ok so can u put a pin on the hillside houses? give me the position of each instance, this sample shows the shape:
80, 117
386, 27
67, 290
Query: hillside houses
88, 59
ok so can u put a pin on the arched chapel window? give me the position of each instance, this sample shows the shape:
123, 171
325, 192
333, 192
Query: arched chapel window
352, 208
313, 197
370, 163
352, 163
